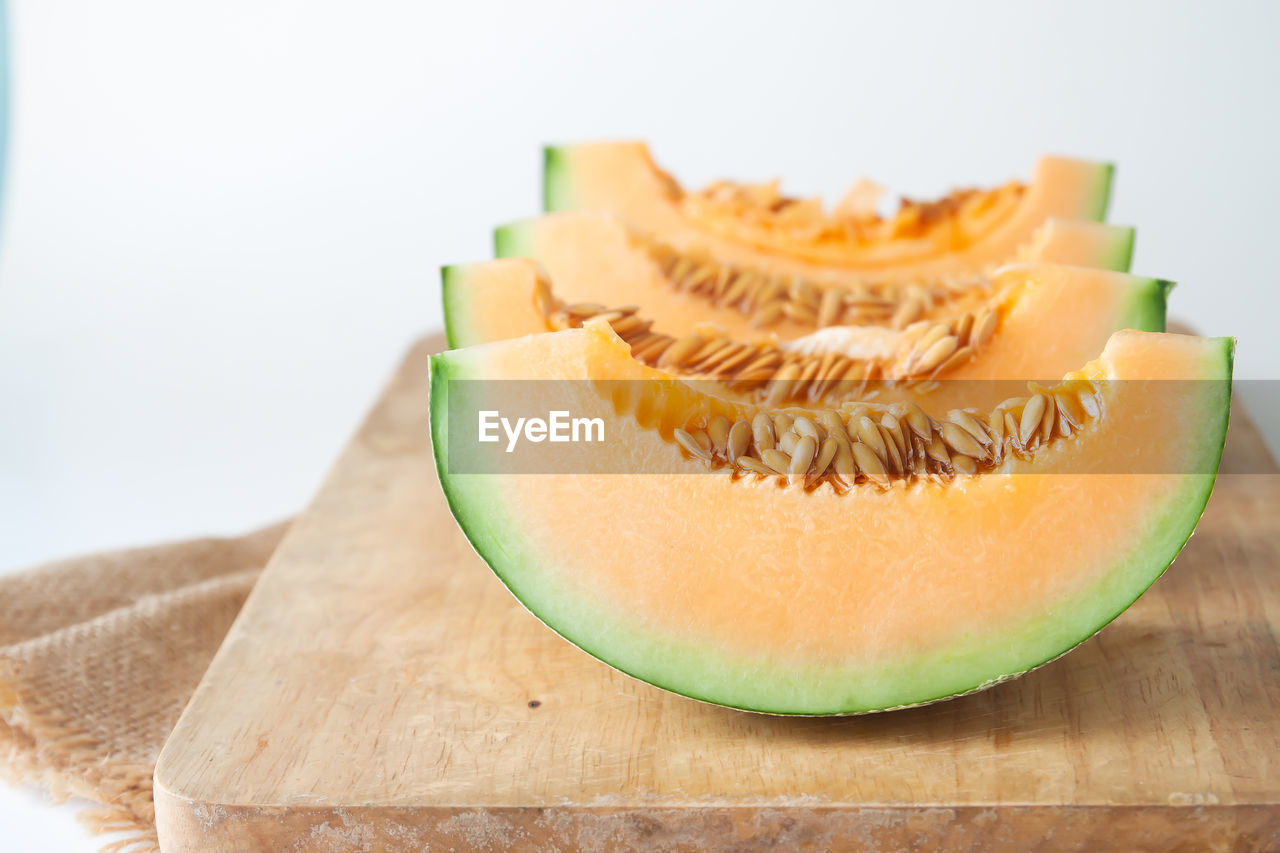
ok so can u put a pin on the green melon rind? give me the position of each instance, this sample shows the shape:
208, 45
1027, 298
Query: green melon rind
1147, 306
782, 687
1119, 255
1102, 196
557, 178
515, 240
558, 191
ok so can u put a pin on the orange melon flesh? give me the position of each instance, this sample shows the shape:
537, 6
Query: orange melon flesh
494, 300
594, 258
767, 597
621, 178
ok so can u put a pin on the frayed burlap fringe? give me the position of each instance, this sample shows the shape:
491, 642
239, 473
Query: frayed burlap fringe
98, 657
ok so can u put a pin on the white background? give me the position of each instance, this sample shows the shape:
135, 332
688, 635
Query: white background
223, 220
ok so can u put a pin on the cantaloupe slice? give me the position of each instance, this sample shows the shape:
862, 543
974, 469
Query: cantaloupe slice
850, 589
963, 232
1026, 321
596, 258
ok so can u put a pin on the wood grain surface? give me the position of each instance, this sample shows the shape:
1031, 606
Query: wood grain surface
382, 691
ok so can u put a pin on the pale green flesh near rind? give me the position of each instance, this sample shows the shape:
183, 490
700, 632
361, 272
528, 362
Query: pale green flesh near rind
558, 191
779, 685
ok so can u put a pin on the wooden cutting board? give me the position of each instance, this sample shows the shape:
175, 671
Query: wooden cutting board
382, 691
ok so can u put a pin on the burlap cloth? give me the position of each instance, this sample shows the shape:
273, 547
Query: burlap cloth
98, 657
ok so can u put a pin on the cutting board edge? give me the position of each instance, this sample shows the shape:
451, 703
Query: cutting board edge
185, 825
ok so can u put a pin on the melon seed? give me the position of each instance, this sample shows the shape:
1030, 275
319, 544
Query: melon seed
777, 460
936, 354
739, 439
800, 312
892, 456
826, 454
1090, 402
762, 431
869, 434
802, 455
805, 427
918, 420
984, 328
681, 350
718, 432
829, 310
908, 312
868, 461
844, 465
1030, 421
832, 422
960, 440
970, 424
768, 315
953, 361
689, 443
1011, 428
787, 443
896, 431
1049, 418
1069, 405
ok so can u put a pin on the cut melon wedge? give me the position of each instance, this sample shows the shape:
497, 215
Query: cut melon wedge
964, 232
999, 331
595, 258
835, 597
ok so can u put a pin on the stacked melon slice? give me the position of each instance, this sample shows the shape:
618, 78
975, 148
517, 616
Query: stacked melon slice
826, 484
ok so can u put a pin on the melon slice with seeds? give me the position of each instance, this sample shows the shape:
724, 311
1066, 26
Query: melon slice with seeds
1027, 320
856, 559
963, 232
596, 258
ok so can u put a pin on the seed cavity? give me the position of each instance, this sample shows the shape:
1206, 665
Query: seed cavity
760, 214
767, 297
847, 446
764, 370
